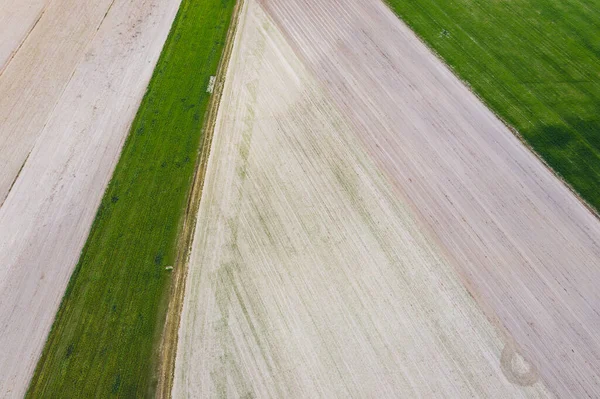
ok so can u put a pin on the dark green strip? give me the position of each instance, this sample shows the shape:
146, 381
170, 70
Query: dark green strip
104, 340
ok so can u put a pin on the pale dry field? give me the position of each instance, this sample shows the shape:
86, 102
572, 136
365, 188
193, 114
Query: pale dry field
525, 247
315, 272
68, 97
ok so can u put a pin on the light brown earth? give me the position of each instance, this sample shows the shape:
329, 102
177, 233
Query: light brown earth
68, 97
368, 228
17, 19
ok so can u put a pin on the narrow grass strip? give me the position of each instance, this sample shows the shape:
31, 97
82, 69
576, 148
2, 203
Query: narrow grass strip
536, 63
104, 341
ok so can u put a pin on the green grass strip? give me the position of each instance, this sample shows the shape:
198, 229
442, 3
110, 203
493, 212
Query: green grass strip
104, 340
536, 63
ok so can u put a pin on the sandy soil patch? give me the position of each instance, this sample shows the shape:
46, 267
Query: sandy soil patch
47, 214
528, 250
309, 277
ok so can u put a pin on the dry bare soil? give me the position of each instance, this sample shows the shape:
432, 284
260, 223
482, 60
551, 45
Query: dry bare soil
368, 227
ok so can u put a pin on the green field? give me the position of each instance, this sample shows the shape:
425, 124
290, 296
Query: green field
104, 340
536, 63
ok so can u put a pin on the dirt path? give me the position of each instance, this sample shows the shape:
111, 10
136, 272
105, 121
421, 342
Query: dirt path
71, 151
309, 276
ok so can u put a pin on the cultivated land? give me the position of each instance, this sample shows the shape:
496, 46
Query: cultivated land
69, 96
355, 188
105, 338
536, 63
296, 233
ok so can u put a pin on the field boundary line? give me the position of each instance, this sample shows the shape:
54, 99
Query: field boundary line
170, 335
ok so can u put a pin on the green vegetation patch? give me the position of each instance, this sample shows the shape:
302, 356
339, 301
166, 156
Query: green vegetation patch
105, 336
536, 63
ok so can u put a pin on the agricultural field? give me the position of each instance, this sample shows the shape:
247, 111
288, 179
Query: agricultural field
536, 63
107, 330
299, 198
368, 226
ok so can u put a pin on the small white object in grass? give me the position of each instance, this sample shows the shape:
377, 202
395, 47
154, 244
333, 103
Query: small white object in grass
211, 84
169, 268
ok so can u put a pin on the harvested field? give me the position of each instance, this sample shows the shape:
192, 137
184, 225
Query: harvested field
369, 228
69, 95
